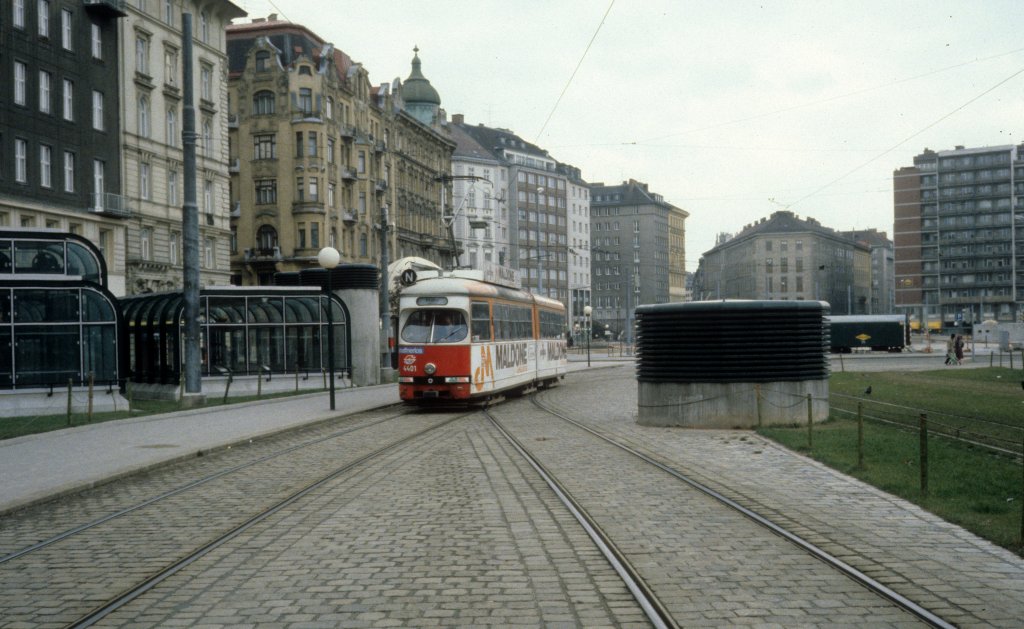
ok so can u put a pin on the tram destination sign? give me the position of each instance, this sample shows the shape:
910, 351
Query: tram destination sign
503, 275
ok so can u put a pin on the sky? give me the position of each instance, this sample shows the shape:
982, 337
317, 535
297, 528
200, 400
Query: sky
730, 110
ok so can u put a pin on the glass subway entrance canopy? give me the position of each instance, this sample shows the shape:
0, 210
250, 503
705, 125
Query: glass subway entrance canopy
58, 322
242, 331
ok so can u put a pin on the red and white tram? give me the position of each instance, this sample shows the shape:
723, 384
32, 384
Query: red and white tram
461, 338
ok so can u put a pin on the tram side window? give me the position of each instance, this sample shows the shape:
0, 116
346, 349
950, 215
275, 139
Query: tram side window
481, 321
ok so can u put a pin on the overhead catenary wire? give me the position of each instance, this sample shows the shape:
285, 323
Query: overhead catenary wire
573, 75
911, 136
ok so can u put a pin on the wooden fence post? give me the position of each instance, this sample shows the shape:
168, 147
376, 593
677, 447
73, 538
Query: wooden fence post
810, 424
757, 393
923, 421
69, 401
91, 382
860, 435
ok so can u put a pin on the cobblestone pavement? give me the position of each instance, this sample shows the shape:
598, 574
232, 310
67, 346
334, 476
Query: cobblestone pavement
953, 573
58, 584
707, 564
453, 529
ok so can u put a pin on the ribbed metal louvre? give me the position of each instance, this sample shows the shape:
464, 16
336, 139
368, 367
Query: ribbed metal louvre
732, 341
345, 276
286, 278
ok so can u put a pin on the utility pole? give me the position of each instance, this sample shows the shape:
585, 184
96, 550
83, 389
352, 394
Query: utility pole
190, 224
386, 371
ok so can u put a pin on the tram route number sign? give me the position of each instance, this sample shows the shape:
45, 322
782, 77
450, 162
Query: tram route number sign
408, 277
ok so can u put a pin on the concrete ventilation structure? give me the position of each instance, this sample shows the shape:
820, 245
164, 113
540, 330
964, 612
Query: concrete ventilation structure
732, 364
357, 286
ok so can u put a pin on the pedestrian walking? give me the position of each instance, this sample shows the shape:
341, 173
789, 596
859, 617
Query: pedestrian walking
951, 350
958, 349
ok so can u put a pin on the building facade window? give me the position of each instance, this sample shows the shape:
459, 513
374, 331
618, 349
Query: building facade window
96, 41
44, 18
142, 55
20, 77
171, 67
45, 165
45, 88
305, 100
172, 187
143, 115
208, 196
206, 82
69, 100
207, 138
172, 248
69, 171
146, 243
169, 12
144, 181
20, 160
172, 126
263, 103
262, 61
266, 191
264, 146
18, 17
204, 28
65, 29
97, 110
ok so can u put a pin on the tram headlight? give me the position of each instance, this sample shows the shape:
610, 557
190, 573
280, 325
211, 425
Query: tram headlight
430, 369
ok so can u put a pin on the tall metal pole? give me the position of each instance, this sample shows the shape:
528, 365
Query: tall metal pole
385, 298
190, 217
330, 329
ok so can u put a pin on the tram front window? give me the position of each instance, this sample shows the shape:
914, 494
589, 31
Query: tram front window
435, 326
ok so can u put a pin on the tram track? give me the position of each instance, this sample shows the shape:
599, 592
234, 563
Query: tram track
197, 483
657, 611
642, 591
142, 587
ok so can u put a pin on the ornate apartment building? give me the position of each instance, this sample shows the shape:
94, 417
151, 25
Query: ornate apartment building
786, 257
60, 164
317, 151
959, 236
151, 111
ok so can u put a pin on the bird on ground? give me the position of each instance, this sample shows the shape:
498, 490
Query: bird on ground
867, 391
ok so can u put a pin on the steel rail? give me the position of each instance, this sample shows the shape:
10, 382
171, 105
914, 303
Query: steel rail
191, 485
656, 612
817, 552
148, 584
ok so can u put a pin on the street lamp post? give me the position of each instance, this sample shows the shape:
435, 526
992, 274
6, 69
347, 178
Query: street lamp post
328, 258
587, 310
540, 256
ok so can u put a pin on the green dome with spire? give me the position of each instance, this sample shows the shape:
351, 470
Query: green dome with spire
417, 89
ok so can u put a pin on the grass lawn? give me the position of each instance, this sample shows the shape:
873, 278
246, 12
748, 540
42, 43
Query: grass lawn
967, 485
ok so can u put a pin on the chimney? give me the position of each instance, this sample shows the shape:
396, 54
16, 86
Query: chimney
272, 17
458, 119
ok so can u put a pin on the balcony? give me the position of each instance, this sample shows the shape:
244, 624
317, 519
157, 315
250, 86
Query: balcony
236, 209
232, 121
379, 146
347, 132
348, 174
263, 254
234, 165
380, 186
106, 8
110, 204
349, 217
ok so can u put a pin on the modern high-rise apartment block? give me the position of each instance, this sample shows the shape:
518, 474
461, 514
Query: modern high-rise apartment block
786, 257
60, 132
633, 234
317, 152
152, 165
959, 223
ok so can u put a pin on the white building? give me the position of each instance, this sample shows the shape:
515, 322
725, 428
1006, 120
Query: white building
152, 156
